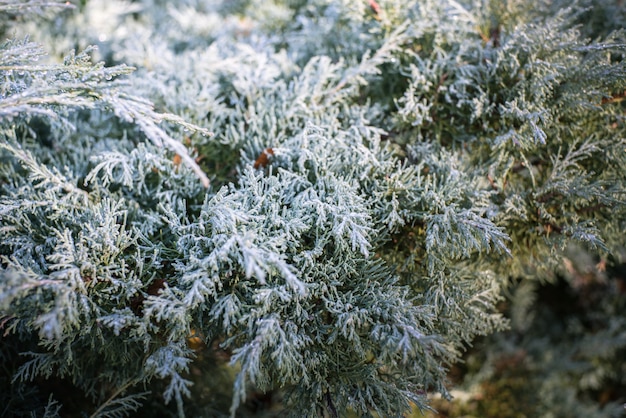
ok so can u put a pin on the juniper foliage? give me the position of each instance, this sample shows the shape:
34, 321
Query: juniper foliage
320, 200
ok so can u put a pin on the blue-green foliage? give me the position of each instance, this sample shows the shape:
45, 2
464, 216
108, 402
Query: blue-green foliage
330, 195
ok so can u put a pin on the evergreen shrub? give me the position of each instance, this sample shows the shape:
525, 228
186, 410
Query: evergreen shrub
311, 207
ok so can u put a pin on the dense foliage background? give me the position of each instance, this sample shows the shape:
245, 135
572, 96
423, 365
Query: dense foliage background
313, 208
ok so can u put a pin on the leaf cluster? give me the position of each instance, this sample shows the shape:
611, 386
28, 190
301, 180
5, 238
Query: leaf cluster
328, 194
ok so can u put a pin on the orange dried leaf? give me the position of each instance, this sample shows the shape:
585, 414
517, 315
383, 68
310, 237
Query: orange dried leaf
375, 7
177, 160
264, 158
195, 341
